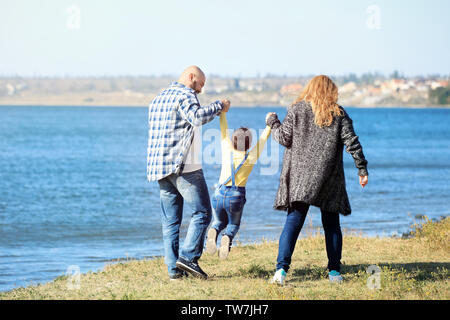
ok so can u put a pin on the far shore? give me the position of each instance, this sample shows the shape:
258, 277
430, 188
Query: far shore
268, 105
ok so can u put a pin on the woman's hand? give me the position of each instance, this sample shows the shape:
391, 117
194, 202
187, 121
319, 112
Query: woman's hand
269, 114
363, 180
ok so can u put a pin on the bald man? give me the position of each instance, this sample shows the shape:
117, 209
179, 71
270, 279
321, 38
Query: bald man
174, 116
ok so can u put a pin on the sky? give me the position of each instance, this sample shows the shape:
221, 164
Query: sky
243, 38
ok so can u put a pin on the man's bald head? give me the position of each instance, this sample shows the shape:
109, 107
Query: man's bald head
193, 77
192, 70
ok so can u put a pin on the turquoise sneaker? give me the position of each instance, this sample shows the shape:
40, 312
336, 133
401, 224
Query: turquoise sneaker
334, 276
279, 277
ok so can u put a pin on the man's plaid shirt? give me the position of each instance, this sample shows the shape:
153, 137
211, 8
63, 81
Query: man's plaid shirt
172, 116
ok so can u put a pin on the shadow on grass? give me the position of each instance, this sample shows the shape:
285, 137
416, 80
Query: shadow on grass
255, 271
308, 274
420, 271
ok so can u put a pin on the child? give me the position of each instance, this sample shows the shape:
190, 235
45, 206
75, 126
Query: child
229, 197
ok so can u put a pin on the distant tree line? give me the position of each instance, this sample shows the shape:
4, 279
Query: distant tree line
370, 78
364, 79
440, 95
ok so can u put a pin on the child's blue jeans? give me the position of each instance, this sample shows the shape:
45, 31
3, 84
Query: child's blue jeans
227, 204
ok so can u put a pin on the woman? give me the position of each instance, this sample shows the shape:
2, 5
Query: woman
314, 133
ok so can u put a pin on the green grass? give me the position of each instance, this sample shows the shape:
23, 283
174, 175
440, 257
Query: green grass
412, 267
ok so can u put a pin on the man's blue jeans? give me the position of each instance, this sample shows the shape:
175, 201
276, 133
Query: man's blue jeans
174, 190
294, 223
228, 204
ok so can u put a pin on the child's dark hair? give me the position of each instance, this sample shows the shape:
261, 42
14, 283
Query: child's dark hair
241, 139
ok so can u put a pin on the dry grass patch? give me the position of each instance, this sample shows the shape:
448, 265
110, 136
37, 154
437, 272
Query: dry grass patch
415, 267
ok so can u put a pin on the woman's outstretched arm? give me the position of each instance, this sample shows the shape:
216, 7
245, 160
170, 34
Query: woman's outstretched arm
282, 132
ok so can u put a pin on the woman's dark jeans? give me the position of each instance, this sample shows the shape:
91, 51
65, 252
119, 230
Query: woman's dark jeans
294, 223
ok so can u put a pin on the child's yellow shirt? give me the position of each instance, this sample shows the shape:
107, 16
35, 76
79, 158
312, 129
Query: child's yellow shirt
226, 145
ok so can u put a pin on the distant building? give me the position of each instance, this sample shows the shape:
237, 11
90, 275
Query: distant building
236, 85
373, 90
10, 89
438, 84
394, 85
291, 89
348, 87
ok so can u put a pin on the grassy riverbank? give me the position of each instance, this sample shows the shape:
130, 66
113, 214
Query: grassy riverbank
413, 267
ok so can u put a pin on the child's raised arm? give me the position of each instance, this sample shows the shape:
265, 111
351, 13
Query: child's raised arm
223, 126
256, 151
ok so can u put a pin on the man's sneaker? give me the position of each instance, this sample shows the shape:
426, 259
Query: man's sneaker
279, 277
225, 246
178, 276
211, 241
192, 268
334, 276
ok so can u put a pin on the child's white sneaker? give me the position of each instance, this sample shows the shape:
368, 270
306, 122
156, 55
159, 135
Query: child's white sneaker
225, 246
279, 277
211, 241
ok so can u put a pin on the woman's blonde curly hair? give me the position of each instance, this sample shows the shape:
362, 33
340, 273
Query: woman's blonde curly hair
322, 93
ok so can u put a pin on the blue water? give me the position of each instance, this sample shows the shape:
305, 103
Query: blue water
73, 189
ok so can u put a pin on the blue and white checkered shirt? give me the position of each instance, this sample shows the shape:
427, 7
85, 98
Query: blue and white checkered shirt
172, 116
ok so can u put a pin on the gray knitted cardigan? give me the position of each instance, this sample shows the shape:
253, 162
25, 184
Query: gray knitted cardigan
313, 170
